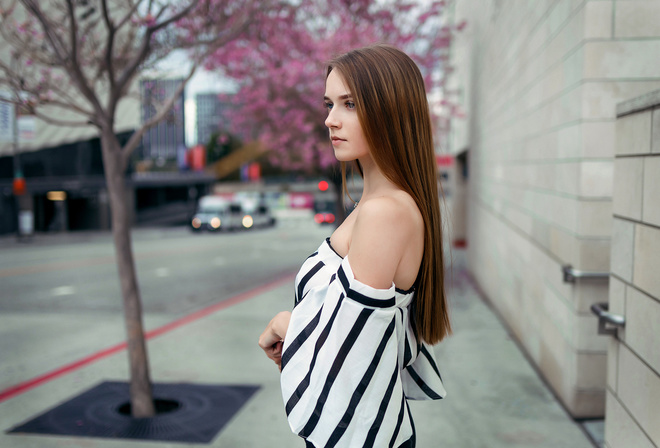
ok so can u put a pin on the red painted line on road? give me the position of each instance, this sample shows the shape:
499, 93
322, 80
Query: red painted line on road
68, 368
34, 382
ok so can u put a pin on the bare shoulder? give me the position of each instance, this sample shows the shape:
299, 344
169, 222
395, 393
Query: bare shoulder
396, 212
381, 237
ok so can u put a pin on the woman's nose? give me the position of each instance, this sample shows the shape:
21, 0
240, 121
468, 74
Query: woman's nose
331, 121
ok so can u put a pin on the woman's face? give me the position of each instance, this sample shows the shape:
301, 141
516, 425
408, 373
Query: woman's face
346, 133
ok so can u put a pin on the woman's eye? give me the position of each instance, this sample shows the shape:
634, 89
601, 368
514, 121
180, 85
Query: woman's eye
350, 105
328, 106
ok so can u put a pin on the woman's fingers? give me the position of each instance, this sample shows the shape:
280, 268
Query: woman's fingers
274, 352
267, 339
277, 350
271, 340
277, 354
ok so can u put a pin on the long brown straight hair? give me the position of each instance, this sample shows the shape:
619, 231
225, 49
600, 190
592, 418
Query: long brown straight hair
388, 90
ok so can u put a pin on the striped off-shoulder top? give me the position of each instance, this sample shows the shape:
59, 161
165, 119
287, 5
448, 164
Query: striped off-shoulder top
350, 359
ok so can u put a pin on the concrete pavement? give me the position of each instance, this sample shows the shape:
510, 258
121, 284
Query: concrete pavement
495, 399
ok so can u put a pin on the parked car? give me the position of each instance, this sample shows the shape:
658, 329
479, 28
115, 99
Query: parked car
217, 214
259, 216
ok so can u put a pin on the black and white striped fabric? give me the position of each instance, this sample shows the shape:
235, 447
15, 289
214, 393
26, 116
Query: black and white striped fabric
351, 359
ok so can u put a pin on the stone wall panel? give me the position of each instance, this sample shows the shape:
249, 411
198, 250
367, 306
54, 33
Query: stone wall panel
561, 179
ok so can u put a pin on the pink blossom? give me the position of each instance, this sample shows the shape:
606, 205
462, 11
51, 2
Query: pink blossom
279, 66
149, 20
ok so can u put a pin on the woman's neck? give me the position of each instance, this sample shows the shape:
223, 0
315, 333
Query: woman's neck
375, 182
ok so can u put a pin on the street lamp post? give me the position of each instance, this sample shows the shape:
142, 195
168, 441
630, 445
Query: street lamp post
24, 215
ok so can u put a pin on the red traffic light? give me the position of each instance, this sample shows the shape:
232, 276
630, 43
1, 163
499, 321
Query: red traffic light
323, 185
19, 186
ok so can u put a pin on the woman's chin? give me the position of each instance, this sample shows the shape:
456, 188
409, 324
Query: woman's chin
343, 156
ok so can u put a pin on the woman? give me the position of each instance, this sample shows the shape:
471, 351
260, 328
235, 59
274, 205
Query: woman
371, 298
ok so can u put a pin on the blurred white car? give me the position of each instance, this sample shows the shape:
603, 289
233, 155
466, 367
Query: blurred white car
215, 213
259, 216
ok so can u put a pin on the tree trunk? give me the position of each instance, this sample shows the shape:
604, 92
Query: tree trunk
140, 384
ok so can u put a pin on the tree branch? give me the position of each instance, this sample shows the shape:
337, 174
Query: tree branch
63, 100
87, 30
146, 44
128, 16
55, 42
56, 122
178, 16
160, 13
73, 66
73, 32
106, 16
72, 107
109, 46
220, 38
68, 60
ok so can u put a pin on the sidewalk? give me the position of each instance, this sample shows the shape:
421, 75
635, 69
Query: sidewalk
495, 399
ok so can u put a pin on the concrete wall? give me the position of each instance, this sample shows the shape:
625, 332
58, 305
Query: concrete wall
633, 380
539, 81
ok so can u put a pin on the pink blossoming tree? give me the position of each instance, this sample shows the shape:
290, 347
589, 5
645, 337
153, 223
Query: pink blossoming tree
279, 67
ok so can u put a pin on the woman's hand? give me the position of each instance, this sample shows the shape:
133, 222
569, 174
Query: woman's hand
272, 339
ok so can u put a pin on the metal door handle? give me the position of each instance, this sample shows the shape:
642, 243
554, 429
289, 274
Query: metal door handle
605, 318
570, 274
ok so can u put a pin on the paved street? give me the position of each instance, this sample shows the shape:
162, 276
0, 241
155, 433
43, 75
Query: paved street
60, 304
63, 290
178, 270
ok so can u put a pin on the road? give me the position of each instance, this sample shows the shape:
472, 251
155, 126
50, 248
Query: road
178, 271
63, 290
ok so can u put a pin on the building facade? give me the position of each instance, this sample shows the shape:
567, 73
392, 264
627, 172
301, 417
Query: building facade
67, 161
211, 116
540, 82
633, 373
164, 140
60, 159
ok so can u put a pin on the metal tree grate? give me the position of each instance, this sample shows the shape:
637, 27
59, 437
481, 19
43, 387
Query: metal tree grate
196, 413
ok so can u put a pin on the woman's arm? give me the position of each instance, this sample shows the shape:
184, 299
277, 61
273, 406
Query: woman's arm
272, 338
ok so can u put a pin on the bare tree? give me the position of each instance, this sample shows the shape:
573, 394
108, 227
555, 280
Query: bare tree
82, 57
